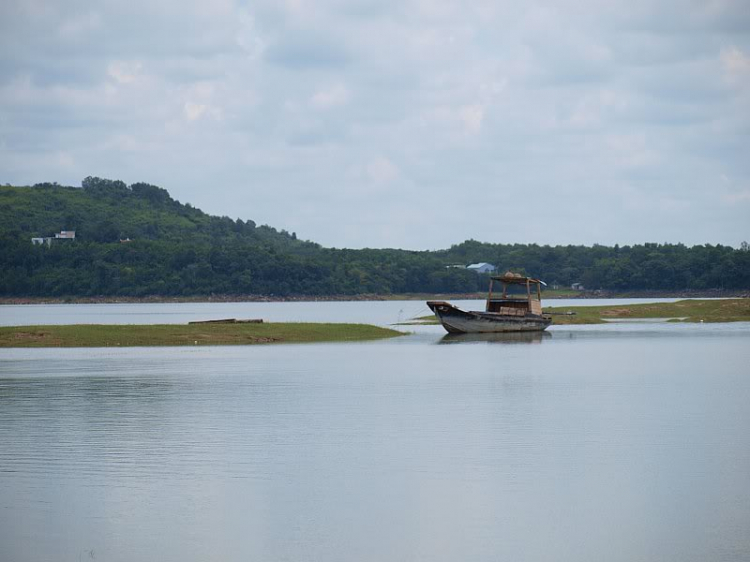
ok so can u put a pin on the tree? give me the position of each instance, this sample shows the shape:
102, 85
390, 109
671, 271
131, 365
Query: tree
99, 187
152, 193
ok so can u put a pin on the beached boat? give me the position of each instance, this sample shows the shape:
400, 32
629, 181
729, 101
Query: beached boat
517, 309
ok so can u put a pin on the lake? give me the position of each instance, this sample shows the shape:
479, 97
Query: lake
624, 441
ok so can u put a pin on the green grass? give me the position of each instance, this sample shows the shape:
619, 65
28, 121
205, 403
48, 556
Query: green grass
724, 310
560, 294
94, 335
420, 321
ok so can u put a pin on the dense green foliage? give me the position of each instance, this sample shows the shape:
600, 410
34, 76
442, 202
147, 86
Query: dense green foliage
638, 267
175, 249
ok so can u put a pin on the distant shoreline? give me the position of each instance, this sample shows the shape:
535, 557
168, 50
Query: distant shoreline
698, 310
548, 295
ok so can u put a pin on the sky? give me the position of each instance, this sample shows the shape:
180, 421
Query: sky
411, 124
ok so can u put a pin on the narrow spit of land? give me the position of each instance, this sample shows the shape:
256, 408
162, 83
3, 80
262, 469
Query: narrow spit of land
97, 335
725, 310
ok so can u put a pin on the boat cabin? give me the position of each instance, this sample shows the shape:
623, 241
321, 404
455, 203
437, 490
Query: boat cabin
520, 295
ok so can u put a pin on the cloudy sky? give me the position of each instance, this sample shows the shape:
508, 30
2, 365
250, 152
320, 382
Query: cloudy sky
411, 123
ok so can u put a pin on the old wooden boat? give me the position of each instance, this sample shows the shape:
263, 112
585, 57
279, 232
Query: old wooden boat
518, 308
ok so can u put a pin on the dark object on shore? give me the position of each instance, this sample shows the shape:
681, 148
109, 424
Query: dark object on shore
568, 313
520, 312
229, 321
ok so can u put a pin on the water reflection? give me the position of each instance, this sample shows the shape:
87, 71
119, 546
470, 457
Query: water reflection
298, 452
507, 337
382, 313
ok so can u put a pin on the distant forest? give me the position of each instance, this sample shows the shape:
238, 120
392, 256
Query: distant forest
138, 241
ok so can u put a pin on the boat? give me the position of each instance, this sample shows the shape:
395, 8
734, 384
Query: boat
517, 309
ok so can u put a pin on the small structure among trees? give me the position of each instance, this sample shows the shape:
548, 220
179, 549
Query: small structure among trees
482, 267
62, 235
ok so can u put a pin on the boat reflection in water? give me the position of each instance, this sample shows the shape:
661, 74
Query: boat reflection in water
497, 337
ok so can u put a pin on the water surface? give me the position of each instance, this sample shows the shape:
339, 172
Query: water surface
381, 313
616, 442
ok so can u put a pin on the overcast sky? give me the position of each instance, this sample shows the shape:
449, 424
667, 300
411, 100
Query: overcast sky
381, 123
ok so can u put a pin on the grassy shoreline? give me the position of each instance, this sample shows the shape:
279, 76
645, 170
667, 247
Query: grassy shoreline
725, 310
132, 335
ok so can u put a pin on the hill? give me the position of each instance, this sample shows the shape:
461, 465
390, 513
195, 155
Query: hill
137, 240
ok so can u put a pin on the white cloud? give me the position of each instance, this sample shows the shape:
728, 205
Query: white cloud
630, 150
332, 100
248, 37
735, 197
382, 170
735, 60
329, 97
592, 108
124, 72
297, 8
127, 143
194, 111
736, 65
200, 101
471, 117
64, 159
78, 25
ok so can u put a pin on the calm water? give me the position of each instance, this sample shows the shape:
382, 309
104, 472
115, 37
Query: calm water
619, 442
380, 312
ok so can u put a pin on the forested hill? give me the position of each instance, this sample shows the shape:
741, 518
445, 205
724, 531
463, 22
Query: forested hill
136, 240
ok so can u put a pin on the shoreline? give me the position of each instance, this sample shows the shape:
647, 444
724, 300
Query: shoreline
707, 310
551, 295
171, 335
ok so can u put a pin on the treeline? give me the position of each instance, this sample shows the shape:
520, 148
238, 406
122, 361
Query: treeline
137, 240
639, 267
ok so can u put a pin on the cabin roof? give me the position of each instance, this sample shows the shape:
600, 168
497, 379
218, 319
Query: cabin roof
514, 278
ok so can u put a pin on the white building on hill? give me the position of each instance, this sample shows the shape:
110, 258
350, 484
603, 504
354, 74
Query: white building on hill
62, 235
482, 267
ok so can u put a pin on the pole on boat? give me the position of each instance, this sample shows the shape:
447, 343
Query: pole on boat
528, 293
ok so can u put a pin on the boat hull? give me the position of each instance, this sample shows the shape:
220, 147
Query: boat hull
457, 321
